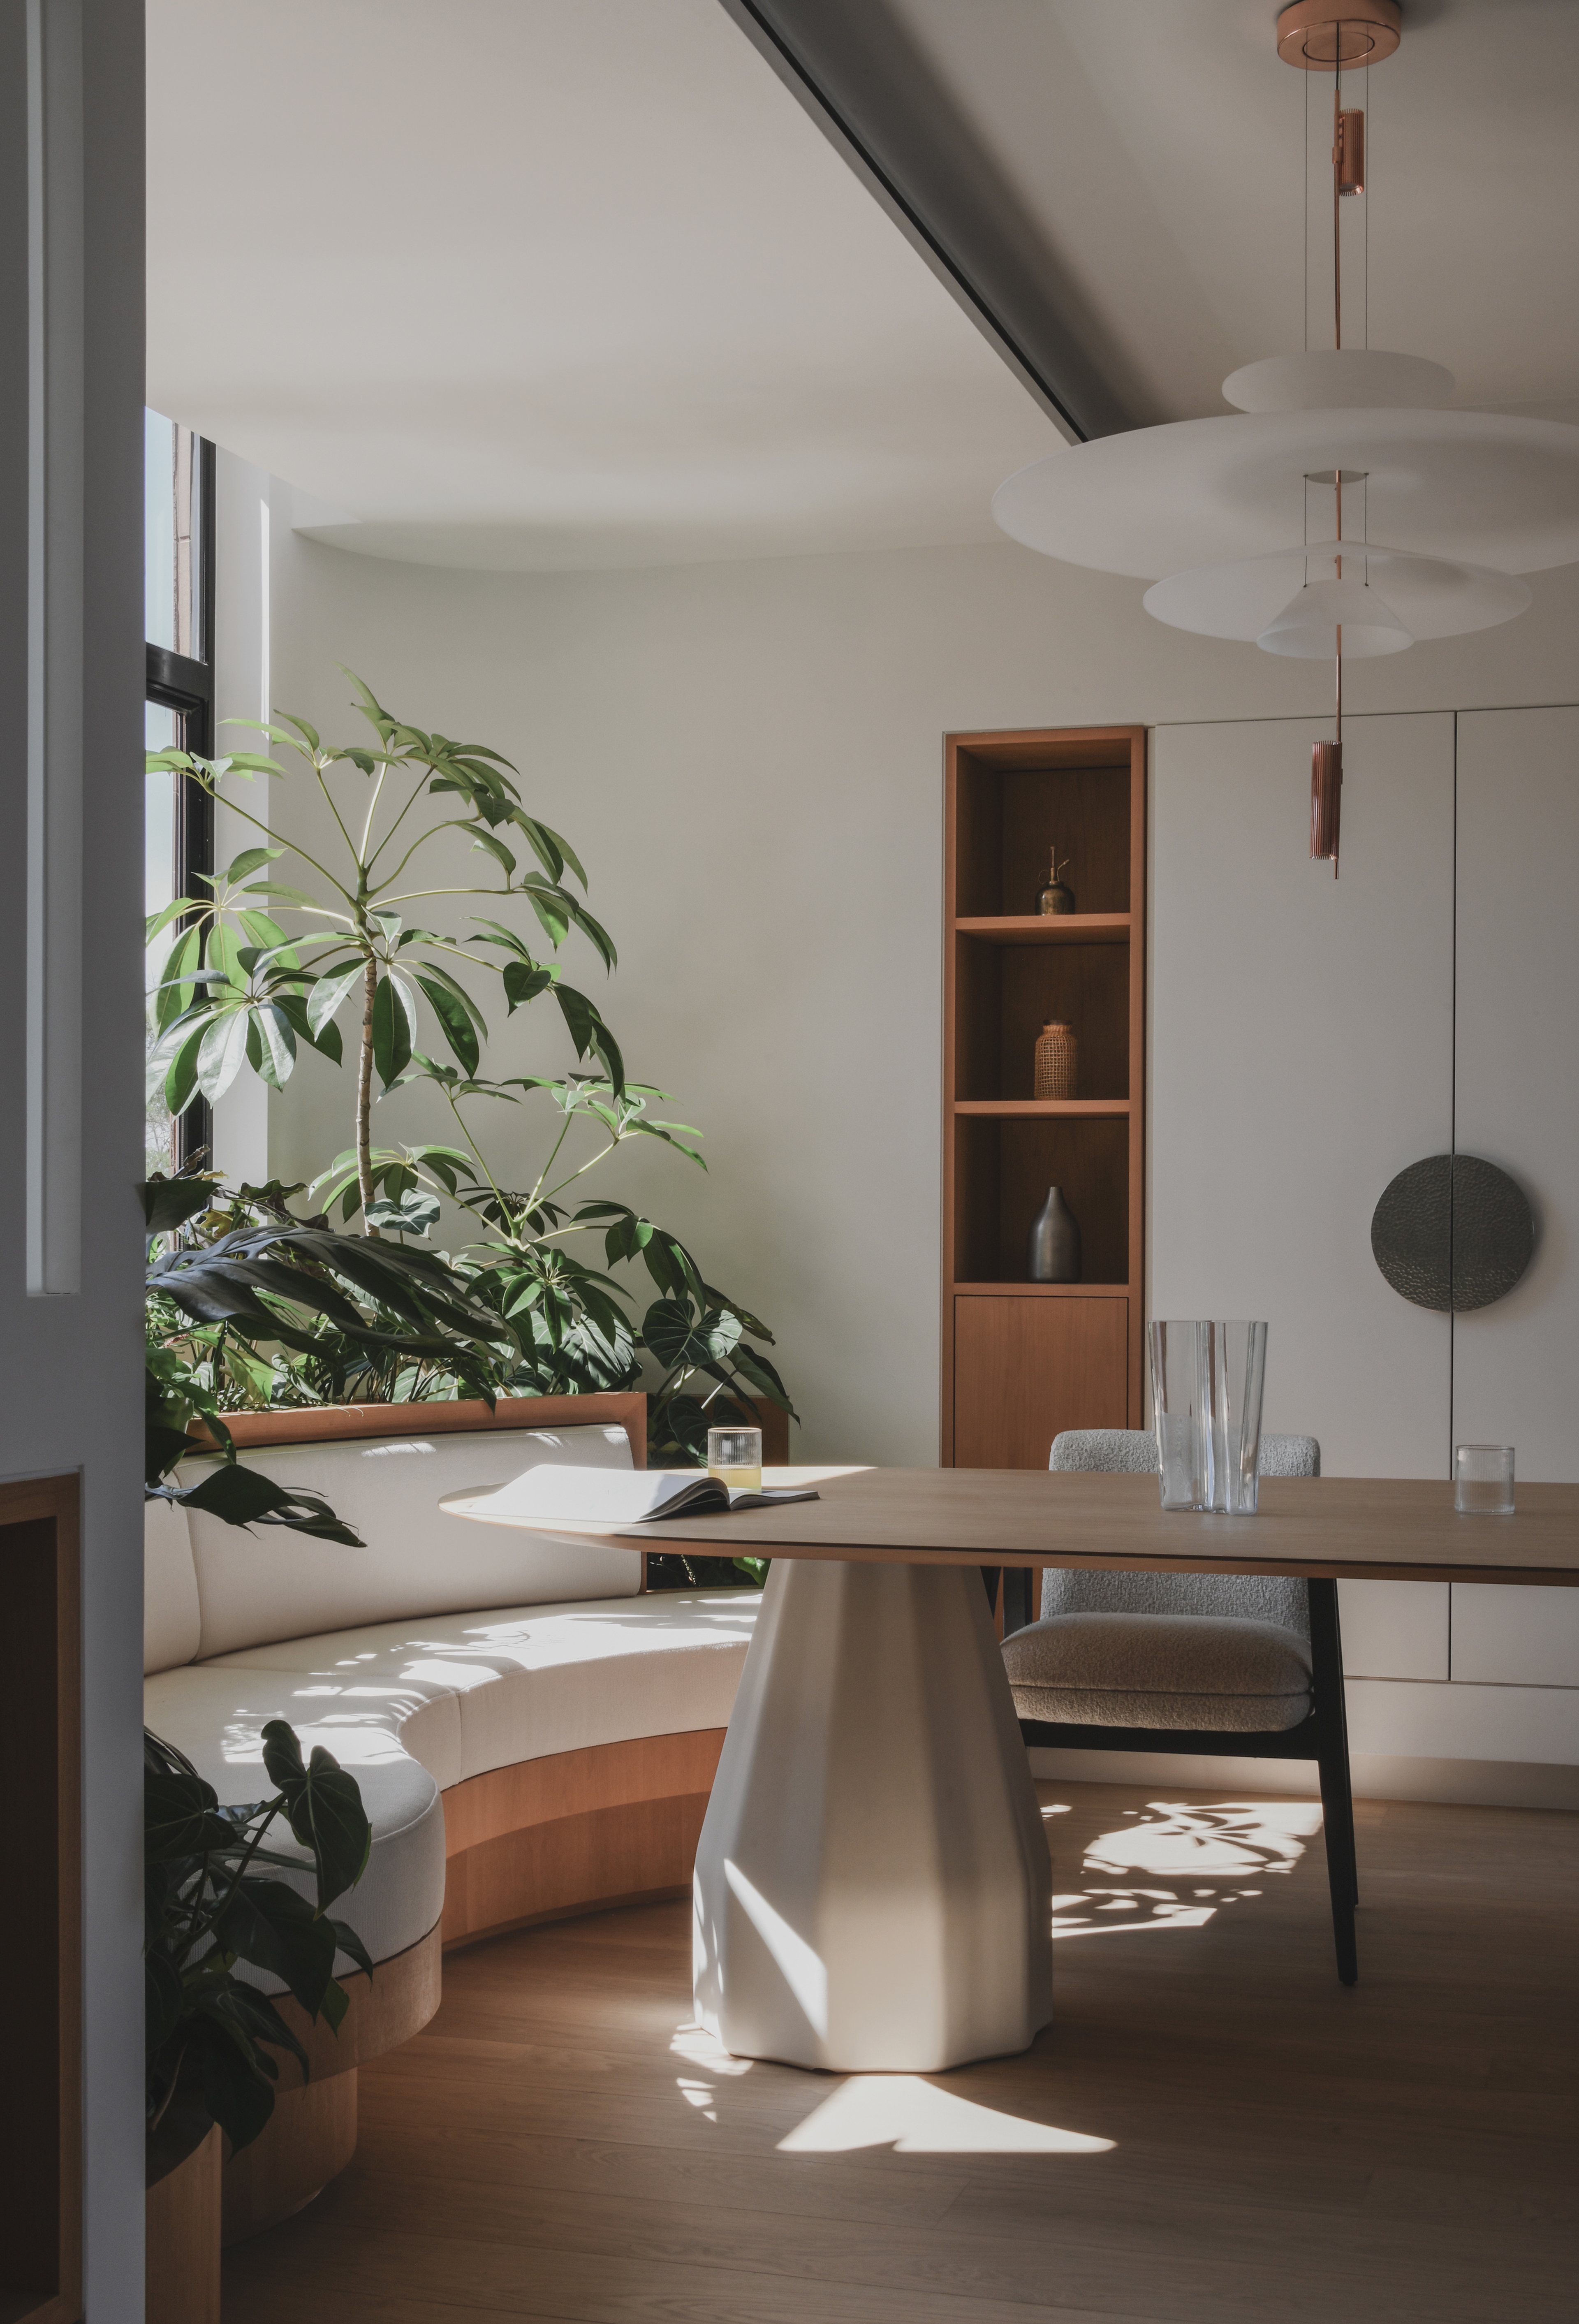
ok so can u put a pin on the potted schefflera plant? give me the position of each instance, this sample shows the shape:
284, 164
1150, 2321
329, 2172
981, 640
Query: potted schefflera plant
259, 969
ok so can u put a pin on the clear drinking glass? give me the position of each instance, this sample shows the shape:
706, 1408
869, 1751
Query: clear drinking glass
1483, 1480
734, 1456
1207, 1383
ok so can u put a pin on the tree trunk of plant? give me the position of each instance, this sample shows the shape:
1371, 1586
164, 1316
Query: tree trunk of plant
364, 1097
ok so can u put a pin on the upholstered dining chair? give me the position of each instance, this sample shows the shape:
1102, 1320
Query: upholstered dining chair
1242, 1665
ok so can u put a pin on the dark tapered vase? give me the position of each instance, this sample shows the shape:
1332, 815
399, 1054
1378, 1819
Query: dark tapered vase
1053, 1254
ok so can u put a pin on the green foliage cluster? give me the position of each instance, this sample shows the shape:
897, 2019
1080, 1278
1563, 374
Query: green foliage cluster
212, 1902
238, 992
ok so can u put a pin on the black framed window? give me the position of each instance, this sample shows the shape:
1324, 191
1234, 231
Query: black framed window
178, 572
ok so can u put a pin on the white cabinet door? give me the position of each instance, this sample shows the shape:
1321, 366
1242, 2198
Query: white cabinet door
1505, 1635
1300, 1054
1395, 1629
1516, 1365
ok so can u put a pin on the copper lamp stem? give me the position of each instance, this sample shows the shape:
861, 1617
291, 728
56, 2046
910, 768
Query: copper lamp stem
1337, 238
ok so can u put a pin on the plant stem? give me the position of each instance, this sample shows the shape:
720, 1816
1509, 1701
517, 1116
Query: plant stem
364, 1095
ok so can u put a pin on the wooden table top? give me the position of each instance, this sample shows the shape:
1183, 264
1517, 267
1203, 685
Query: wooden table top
1356, 1528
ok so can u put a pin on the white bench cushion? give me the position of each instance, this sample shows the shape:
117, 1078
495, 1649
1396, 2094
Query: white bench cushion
269, 1584
172, 1620
522, 1681
217, 1718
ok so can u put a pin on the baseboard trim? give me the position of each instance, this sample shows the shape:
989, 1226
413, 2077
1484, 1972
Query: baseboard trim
1376, 1775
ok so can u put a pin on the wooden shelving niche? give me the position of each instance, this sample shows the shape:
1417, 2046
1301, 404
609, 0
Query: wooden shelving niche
1022, 1360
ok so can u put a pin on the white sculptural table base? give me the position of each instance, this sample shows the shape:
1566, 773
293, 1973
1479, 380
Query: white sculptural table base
873, 1885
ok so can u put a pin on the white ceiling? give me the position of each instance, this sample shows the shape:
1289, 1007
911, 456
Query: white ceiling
1155, 148
563, 283
550, 285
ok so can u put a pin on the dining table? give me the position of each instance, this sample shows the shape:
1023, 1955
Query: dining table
872, 1888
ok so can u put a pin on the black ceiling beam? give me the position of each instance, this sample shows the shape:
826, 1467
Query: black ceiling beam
855, 71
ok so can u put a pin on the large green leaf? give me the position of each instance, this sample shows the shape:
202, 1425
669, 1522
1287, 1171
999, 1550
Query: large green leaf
179, 1818
169, 1203
222, 1053
454, 1021
392, 1032
329, 992
246, 1497
274, 1928
324, 1809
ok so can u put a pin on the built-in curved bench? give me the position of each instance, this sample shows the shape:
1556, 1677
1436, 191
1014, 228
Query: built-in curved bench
533, 1734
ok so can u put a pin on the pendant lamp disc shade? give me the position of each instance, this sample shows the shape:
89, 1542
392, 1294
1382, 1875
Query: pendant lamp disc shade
1464, 486
1309, 624
1324, 379
1431, 596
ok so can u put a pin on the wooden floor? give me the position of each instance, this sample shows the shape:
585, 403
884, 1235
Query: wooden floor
1211, 2131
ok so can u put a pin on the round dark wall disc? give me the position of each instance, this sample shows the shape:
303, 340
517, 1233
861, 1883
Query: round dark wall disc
1453, 1232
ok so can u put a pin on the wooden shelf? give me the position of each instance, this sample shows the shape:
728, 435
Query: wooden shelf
1045, 1109
1040, 1290
1022, 1360
1037, 929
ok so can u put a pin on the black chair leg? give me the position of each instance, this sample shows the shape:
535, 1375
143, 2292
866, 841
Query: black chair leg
1337, 1813
1337, 1803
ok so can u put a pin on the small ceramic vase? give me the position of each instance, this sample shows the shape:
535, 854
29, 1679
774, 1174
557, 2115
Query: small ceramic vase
1057, 1063
1057, 897
1053, 1253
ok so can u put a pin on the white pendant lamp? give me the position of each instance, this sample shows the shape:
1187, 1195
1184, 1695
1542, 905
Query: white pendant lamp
1431, 596
1210, 511
1323, 613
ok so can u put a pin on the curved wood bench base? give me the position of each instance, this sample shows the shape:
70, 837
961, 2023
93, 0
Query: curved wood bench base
577, 1831
310, 2137
182, 2262
545, 1840
311, 2134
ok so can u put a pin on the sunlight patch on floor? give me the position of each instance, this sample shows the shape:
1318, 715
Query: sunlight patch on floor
705, 2050
914, 2116
1224, 1840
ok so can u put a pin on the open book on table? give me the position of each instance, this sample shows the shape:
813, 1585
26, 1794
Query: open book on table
622, 1496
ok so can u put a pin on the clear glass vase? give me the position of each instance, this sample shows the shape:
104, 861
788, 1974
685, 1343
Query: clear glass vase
1207, 1383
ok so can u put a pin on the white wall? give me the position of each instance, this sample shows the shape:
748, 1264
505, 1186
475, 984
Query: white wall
72, 1398
749, 759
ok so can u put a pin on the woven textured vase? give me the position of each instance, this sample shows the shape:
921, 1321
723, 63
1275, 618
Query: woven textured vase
1057, 1062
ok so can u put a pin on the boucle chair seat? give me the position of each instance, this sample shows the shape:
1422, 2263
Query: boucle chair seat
1191, 1663
1161, 1670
